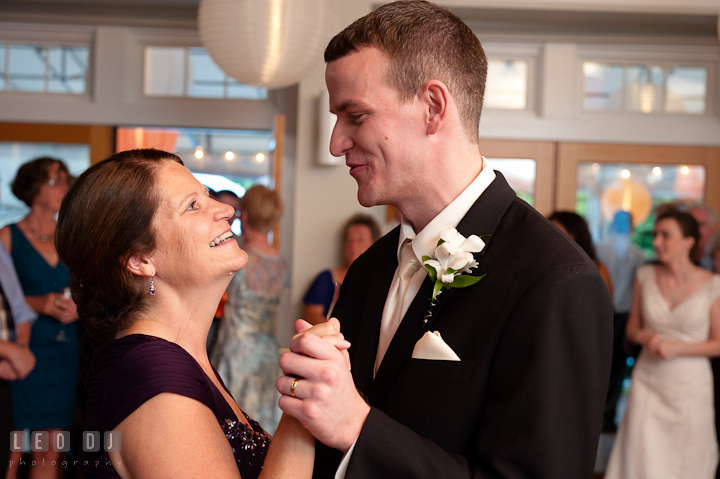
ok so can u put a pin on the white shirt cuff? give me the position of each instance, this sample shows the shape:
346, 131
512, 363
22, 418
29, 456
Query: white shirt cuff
342, 468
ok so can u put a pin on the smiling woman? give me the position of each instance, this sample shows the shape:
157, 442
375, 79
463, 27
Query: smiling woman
150, 255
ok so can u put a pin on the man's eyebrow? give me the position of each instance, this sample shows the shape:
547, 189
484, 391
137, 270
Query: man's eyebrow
347, 104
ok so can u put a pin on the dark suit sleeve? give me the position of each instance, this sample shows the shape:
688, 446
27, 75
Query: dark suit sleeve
545, 393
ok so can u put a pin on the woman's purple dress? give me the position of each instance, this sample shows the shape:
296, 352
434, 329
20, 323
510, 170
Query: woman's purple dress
129, 371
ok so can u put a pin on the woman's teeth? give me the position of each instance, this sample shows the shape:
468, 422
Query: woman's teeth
221, 239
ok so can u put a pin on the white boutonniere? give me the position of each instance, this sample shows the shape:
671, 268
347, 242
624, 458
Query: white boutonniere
451, 263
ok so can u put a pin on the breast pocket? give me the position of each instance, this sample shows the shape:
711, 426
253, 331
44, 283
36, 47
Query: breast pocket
440, 400
438, 371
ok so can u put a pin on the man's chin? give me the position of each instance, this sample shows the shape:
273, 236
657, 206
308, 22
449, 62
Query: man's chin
367, 200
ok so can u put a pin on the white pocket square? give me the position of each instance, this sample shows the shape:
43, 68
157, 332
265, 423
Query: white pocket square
432, 346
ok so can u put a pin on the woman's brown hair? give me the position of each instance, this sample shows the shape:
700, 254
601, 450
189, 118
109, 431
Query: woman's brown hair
31, 176
688, 225
106, 218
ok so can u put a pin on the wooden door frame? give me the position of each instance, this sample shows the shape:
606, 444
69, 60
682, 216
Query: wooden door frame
571, 154
278, 155
100, 138
543, 152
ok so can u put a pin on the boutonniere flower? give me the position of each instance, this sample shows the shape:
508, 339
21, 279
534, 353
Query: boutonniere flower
452, 262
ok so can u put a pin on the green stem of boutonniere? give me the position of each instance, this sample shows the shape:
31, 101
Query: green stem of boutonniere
438, 288
433, 302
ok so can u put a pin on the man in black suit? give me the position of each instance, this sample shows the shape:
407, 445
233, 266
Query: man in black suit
518, 386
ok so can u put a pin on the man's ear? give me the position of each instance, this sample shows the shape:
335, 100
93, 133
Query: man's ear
435, 97
140, 265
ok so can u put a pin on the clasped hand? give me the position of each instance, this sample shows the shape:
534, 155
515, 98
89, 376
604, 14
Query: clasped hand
17, 364
662, 347
59, 307
324, 398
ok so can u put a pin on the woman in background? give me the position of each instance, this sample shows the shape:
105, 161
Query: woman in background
668, 430
246, 354
358, 234
45, 399
576, 227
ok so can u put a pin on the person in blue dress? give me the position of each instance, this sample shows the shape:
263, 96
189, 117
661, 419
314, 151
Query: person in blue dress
358, 234
45, 399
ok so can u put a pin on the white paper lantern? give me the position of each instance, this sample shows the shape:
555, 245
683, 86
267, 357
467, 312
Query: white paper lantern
267, 43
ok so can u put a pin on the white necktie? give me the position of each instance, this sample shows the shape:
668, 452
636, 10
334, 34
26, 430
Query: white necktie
394, 306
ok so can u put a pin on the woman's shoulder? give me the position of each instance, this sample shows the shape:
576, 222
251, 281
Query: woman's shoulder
324, 276
129, 371
151, 359
645, 272
6, 233
321, 287
714, 282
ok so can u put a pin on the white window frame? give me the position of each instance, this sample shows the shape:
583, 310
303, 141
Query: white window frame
527, 52
173, 38
661, 55
51, 35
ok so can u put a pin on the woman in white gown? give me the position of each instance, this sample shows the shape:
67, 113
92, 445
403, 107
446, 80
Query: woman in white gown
669, 429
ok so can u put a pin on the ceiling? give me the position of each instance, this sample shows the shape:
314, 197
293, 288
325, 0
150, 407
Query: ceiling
183, 14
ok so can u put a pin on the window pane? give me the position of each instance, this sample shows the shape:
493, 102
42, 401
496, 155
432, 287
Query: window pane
205, 78
26, 69
2, 66
57, 81
603, 86
206, 150
645, 88
77, 63
164, 71
191, 72
686, 90
506, 85
606, 188
519, 173
68, 67
14, 154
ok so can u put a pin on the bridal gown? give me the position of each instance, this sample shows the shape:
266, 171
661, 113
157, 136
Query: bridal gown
669, 428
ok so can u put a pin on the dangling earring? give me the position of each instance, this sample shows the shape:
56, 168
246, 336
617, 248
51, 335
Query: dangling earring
152, 286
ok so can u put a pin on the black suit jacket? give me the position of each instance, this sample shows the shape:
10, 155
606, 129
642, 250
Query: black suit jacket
534, 338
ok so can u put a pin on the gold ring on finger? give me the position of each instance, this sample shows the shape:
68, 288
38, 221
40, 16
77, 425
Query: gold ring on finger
293, 386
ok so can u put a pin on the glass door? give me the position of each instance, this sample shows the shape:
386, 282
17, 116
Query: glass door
599, 180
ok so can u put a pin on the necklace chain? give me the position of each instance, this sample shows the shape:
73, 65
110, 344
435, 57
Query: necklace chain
36, 235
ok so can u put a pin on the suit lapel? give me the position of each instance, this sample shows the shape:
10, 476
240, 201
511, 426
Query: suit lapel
482, 219
485, 215
366, 343
400, 349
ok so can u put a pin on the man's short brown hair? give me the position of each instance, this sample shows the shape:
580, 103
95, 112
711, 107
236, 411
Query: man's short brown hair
424, 42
